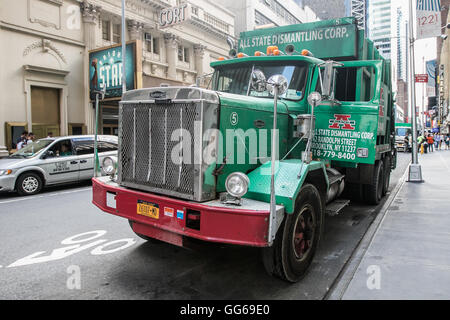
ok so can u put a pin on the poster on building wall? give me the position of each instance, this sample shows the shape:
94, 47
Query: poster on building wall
431, 71
428, 18
105, 69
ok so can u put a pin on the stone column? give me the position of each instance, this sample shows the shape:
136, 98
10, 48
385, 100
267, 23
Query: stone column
90, 14
135, 29
199, 53
171, 42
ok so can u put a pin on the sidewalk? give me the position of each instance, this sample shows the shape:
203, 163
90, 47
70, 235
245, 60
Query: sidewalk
408, 252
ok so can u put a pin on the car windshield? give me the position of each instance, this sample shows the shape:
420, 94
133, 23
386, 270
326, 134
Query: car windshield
236, 78
32, 149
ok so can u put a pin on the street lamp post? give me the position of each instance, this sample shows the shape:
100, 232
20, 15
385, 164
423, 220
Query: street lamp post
415, 170
124, 55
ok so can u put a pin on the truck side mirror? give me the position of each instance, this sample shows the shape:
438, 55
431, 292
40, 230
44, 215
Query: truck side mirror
328, 80
258, 81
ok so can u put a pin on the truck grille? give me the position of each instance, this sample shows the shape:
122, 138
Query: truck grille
150, 131
146, 150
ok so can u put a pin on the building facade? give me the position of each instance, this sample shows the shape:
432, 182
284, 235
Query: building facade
45, 69
443, 72
378, 25
326, 10
253, 14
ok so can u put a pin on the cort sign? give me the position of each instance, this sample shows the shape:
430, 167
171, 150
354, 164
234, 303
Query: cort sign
175, 15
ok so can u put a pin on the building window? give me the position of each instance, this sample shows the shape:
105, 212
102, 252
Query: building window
152, 43
106, 30
116, 33
183, 54
155, 45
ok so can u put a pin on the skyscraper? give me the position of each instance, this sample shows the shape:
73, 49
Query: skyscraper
378, 25
325, 10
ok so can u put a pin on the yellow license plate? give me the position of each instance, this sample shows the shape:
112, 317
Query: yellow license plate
148, 209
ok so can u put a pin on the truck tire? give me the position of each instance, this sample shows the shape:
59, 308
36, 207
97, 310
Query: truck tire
387, 175
374, 192
144, 237
297, 238
29, 183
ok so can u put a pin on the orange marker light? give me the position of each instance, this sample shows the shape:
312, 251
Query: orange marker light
258, 54
241, 55
221, 59
306, 53
276, 52
270, 50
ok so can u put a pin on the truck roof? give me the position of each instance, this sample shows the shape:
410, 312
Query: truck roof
267, 58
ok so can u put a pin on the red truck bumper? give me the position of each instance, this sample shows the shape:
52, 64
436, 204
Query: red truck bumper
178, 218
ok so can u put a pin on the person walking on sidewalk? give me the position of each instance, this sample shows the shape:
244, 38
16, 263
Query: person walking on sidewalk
447, 142
430, 141
420, 141
437, 139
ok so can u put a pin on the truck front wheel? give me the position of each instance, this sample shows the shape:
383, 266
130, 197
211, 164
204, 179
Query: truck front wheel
297, 239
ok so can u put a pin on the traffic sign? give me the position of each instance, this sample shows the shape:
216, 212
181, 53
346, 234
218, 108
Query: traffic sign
421, 78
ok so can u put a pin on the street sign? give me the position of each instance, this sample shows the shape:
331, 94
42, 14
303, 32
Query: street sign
428, 18
421, 78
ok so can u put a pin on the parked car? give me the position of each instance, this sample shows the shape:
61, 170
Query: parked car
53, 161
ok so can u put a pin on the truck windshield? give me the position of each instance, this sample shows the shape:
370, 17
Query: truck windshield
236, 78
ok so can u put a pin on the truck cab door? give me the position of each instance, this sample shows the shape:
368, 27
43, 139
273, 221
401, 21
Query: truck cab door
347, 121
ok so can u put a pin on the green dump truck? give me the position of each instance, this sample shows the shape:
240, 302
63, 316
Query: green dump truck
295, 116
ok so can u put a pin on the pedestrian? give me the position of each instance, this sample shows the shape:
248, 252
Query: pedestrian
50, 135
21, 142
447, 142
437, 139
430, 142
442, 141
30, 138
420, 142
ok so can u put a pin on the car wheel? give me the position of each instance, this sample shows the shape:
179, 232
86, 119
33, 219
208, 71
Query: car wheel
29, 184
297, 239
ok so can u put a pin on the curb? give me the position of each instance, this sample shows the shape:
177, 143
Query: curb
347, 273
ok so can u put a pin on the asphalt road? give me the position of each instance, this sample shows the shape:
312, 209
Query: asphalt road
58, 245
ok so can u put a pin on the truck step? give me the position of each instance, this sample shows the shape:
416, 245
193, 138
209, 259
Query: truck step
335, 207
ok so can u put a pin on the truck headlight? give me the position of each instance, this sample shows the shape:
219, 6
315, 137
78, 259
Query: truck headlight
237, 184
5, 172
109, 165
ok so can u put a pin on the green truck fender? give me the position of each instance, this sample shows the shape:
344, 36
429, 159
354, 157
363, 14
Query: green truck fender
287, 182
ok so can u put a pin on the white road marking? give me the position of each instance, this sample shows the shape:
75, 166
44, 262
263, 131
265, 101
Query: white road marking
46, 195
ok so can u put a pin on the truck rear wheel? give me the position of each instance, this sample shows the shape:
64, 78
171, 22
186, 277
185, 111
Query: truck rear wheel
374, 192
297, 239
387, 175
